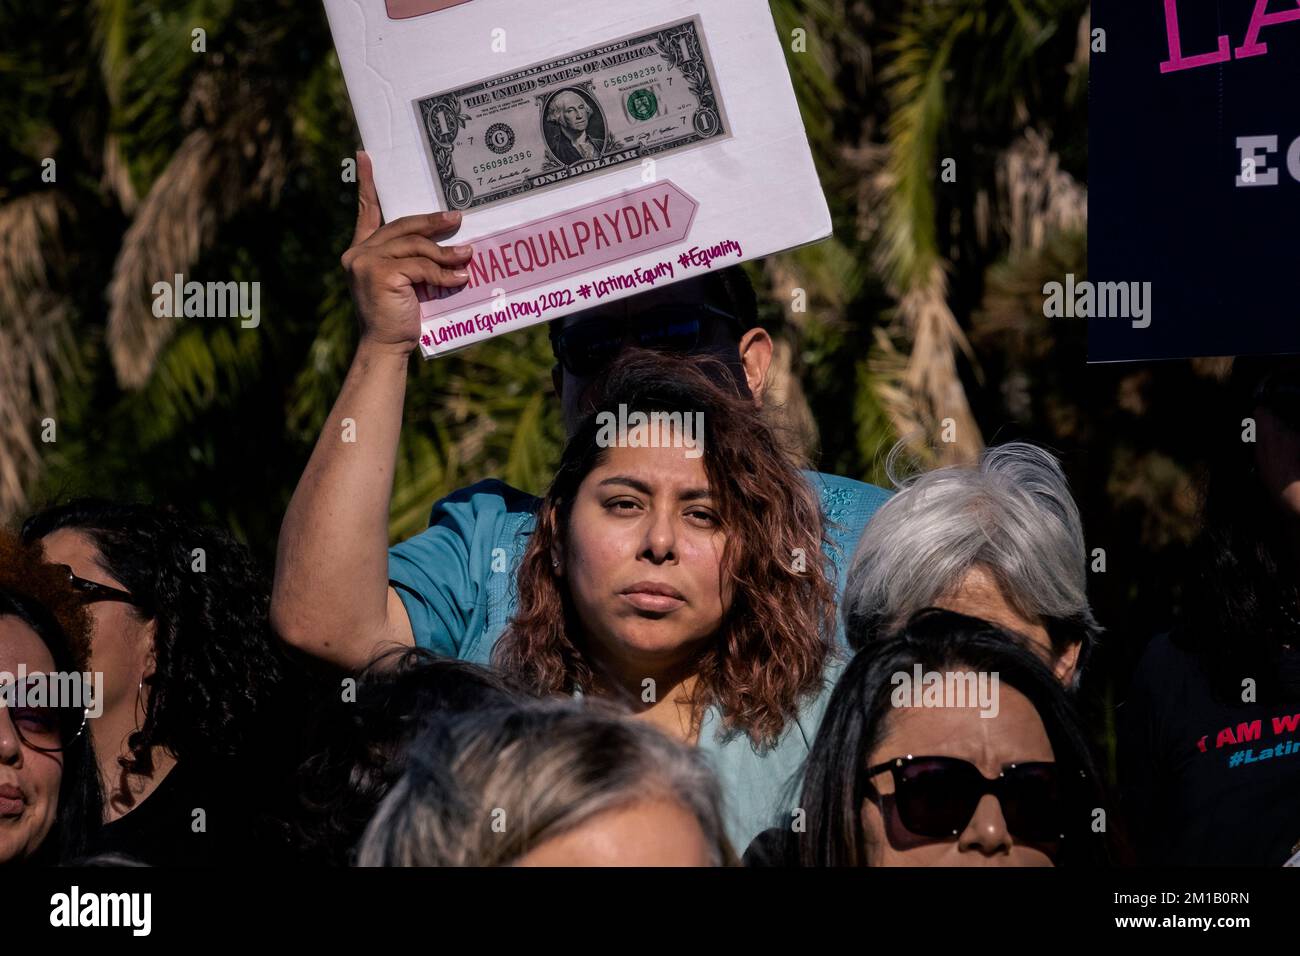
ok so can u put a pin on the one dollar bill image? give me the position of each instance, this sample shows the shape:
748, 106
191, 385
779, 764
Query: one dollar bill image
575, 116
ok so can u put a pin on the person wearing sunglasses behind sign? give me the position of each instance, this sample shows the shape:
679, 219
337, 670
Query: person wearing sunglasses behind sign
716, 317
889, 783
190, 672
339, 594
49, 784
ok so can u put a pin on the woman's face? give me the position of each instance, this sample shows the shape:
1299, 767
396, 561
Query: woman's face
1015, 735
121, 643
642, 560
645, 833
980, 595
29, 779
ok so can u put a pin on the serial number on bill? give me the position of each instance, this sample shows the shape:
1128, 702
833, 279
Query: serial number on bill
629, 77
505, 161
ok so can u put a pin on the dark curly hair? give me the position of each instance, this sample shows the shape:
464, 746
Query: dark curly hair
40, 596
358, 745
774, 641
216, 663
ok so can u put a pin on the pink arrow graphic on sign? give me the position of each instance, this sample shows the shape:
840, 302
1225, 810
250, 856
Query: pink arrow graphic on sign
405, 9
579, 240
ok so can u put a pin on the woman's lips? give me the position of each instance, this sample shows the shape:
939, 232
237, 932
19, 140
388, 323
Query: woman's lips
11, 801
652, 602
654, 597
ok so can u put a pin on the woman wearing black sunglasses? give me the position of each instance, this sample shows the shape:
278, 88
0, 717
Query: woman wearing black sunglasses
190, 674
49, 786
952, 782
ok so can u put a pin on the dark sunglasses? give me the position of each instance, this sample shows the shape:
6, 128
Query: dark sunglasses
936, 797
92, 591
585, 348
44, 727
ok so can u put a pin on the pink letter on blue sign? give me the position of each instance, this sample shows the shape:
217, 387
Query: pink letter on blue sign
1176, 59
1258, 20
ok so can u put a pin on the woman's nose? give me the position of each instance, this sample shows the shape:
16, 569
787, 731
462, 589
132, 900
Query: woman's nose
660, 537
987, 830
11, 747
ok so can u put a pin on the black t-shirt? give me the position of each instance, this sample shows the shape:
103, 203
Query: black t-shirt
1204, 780
197, 816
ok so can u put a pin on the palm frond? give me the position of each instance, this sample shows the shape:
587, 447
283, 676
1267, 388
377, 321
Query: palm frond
908, 246
29, 232
328, 355
813, 69
205, 183
35, 338
112, 24
1037, 196
175, 221
117, 176
529, 463
949, 60
426, 470
939, 414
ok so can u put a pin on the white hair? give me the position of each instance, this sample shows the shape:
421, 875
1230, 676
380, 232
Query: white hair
546, 766
1010, 514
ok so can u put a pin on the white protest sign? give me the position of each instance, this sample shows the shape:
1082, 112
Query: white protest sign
595, 149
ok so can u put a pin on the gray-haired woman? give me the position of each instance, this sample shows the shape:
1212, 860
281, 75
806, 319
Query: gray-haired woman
1000, 540
555, 783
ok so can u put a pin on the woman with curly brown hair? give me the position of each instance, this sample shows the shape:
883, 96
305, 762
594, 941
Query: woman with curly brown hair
49, 785
677, 566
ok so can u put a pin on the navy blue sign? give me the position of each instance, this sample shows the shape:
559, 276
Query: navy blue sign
1193, 181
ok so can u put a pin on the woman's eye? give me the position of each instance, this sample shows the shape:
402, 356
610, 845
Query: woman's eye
623, 504
703, 517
